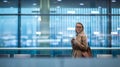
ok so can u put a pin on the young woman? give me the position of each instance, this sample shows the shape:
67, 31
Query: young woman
79, 43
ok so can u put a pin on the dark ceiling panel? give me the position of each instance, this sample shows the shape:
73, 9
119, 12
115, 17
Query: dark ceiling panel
62, 3
10, 3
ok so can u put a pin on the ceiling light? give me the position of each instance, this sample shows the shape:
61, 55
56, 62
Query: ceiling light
99, 6
34, 4
11, 7
5, 1
58, 6
113, 0
59, 0
81, 4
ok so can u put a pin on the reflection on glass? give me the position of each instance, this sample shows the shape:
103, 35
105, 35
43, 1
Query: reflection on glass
8, 31
61, 18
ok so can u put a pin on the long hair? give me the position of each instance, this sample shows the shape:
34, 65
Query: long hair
80, 24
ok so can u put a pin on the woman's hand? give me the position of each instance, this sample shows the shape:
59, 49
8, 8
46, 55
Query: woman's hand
74, 42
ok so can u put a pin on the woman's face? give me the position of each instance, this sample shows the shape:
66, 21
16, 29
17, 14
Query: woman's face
79, 28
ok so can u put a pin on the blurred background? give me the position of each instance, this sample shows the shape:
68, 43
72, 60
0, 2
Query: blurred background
51, 23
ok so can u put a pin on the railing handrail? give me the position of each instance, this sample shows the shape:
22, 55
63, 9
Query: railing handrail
56, 48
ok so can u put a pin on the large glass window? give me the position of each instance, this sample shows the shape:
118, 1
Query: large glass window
29, 30
8, 31
51, 23
63, 29
115, 23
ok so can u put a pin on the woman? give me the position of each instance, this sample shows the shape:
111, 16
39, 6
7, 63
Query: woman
79, 44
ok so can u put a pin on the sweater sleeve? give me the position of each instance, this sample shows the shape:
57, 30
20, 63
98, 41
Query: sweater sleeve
83, 45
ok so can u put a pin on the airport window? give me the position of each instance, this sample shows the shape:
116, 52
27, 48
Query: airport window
51, 23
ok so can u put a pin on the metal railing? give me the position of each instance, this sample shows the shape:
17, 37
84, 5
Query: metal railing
57, 48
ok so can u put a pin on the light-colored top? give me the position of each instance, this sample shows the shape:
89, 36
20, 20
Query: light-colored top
80, 45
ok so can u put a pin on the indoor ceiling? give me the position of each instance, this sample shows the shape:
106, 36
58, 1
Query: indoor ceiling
61, 3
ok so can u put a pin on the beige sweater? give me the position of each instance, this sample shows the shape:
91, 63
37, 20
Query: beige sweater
80, 46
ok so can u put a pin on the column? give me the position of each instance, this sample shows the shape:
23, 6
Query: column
44, 23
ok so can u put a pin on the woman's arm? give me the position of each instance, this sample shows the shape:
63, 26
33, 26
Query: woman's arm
83, 45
